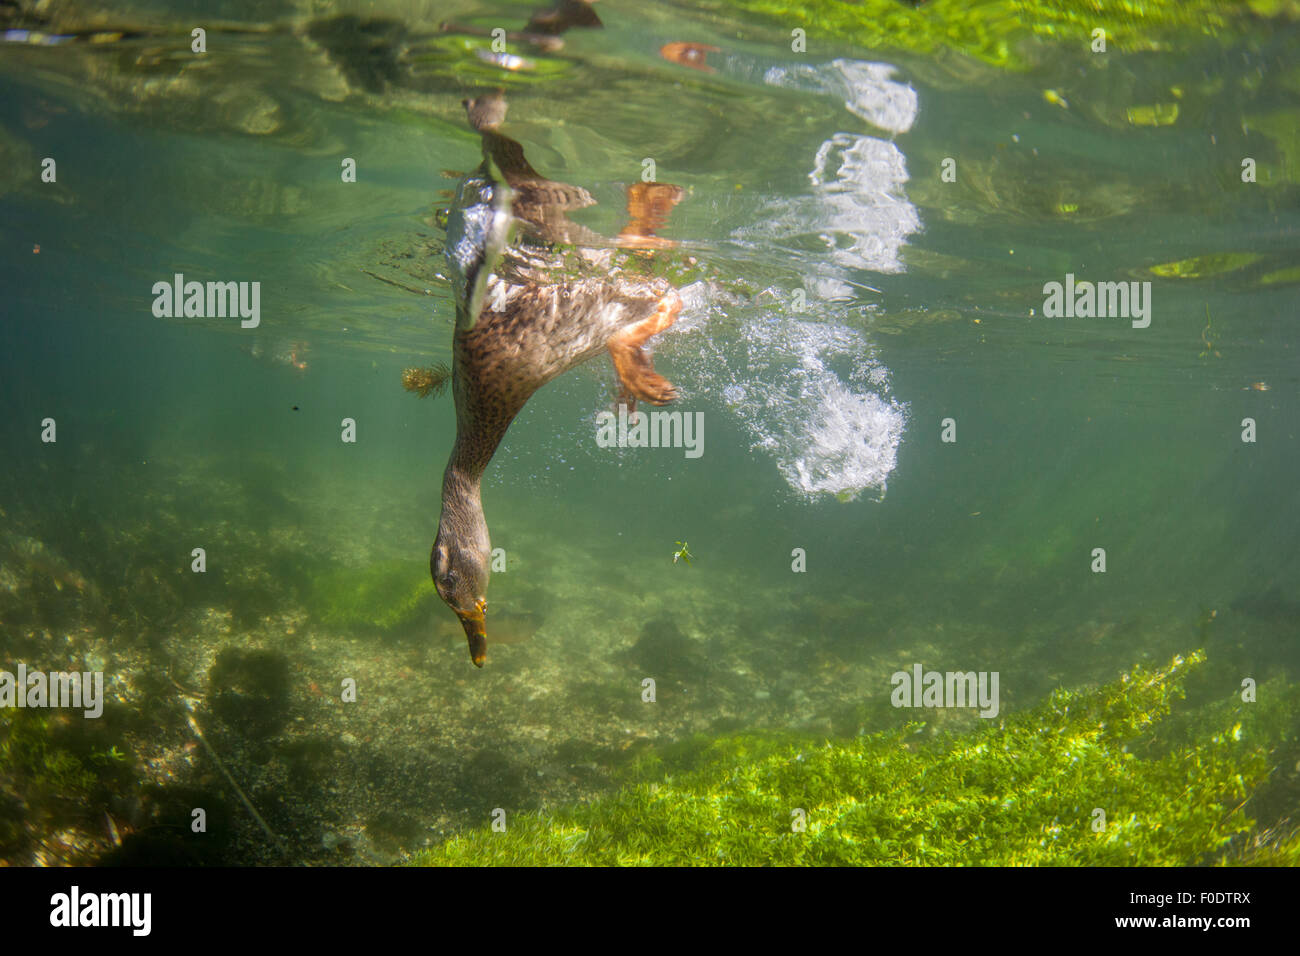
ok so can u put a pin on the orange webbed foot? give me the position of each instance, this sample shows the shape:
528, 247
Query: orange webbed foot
634, 366
648, 206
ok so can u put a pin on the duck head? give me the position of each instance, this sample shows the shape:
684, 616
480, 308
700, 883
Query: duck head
460, 563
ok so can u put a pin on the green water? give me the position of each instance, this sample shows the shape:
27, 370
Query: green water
817, 171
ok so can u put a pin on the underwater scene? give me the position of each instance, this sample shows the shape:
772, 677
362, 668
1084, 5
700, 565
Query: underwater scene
649, 432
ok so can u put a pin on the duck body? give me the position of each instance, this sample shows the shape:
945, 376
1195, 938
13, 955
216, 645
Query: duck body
531, 304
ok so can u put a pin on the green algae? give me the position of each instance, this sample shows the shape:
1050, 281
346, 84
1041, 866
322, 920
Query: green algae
1273, 848
31, 749
1023, 791
54, 771
470, 61
1281, 276
383, 596
1282, 128
1000, 32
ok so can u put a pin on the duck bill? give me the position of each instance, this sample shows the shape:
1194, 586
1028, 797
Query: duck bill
476, 633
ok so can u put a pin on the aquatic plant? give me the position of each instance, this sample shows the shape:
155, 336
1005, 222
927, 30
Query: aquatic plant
112, 755
997, 32
683, 551
30, 749
1277, 846
382, 597
55, 772
1025, 790
430, 380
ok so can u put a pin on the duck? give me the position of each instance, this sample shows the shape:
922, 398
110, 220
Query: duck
536, 296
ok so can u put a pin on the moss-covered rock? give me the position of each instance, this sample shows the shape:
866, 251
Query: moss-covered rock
1025, 790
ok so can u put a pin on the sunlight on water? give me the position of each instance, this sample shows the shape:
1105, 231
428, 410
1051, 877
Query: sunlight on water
858, 209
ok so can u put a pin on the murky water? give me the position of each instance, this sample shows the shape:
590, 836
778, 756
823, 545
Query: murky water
905, 459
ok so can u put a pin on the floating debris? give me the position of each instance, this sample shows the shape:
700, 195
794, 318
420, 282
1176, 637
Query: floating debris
1056, 99
1207, 337
1160, 114
292, 354
1200, 267
692, 55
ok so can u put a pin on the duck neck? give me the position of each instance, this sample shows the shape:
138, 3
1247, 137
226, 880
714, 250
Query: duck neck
462, 501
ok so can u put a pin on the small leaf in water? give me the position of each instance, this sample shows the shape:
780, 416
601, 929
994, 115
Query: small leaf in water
1199, 267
